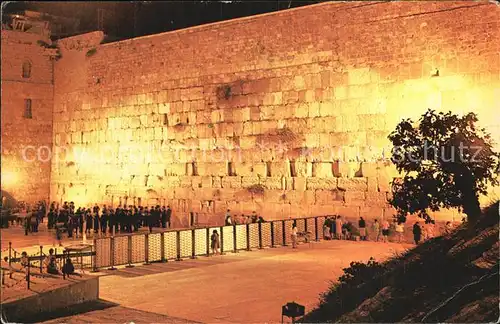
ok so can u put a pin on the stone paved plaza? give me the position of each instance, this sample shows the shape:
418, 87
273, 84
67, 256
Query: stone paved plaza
246, 287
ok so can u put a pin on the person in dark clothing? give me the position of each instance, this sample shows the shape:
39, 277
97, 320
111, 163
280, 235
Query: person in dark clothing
137, 219
50, 263
104, 220
417, 232
112, 220
254, 217
69, 269
96, 220
362, 229
50, 219
169, 217
163, 217
88, 221
130, 220
149, 220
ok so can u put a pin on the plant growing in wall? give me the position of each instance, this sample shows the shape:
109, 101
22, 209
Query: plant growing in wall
224, 92
91, 52
256, 189
43, 44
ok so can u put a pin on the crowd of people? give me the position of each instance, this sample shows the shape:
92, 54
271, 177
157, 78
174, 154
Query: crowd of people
243, 219
335, 227
124, 219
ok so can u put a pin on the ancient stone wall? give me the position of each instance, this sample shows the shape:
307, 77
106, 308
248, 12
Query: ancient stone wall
26, 142
284, 113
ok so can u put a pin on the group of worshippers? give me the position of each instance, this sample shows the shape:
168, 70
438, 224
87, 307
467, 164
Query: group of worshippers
334, 227
121, 219
243, 219
34, 218
51, 265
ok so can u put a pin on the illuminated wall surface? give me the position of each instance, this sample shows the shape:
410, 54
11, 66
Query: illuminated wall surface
285, 113
26, 180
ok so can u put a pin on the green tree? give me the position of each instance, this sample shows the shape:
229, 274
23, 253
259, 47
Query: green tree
446, 160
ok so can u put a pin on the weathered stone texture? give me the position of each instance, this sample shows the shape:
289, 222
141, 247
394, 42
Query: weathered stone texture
194, 117
26, 142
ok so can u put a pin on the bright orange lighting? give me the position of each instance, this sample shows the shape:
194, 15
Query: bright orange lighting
8, 179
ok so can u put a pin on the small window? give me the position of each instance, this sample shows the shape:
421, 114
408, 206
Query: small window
26, 69
230, 169
27, 109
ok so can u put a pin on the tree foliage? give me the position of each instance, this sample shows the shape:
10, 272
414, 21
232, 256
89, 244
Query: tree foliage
447, 162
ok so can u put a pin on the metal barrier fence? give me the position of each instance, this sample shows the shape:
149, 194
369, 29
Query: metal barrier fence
175, 245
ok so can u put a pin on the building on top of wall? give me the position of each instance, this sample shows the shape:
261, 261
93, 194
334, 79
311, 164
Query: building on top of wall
26, 106
47, 25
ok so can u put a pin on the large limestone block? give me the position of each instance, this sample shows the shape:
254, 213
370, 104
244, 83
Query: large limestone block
299, 183
186, 182
372, 184
175, 169
248, 142
243, 168
328, 108
378, 199
274, 196
345, 169
243, 195
279, 168
272, 182
303, 169
206, 181
354, 184
260, 169
171, 181
389, 213
322, 210
196, 182
323, 197
351, 213
355, 198
369, 169
371, 213
322, 170
216, 182
183, 193
235, 182
321, 183
249, 181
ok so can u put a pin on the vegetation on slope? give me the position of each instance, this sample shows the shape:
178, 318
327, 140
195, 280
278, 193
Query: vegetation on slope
451, 278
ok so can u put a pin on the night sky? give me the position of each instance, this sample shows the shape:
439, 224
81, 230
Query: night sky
132, 19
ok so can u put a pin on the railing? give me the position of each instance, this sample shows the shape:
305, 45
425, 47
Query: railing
125, 250
129, 249
35, 262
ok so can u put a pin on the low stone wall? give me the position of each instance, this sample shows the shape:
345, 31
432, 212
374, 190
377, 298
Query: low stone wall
28, 309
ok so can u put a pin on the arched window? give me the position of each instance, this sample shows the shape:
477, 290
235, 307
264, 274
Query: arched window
26, 69
27, 109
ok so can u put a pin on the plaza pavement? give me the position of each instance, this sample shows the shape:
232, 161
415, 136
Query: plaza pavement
246, 287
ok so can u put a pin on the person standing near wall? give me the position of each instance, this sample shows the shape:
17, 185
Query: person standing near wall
228, 221
362, 229
169, 217
385, 231
376, 230
338, 227
163, 217
215, 242
294, 234
400, 231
